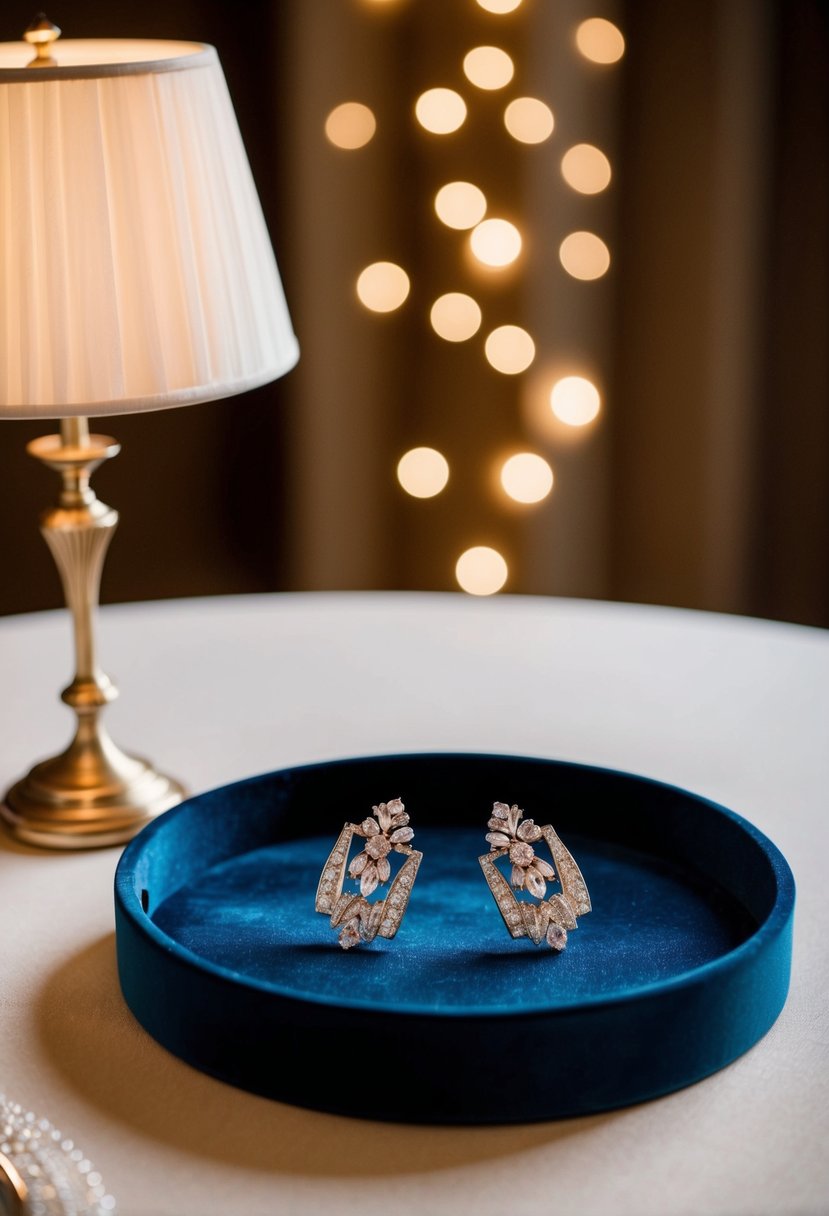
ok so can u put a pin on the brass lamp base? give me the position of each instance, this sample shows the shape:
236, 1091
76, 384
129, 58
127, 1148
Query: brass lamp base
92, 794
87, 797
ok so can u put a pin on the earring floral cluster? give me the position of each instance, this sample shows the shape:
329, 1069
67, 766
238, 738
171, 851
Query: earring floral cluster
357, 920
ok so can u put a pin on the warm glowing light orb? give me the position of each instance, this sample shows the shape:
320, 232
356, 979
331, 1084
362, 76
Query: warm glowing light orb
586, 169
584, 255
455, 316
460, 205
440, 111
423, 472
600, 40
488, 67
526, 477
575, 400
509, 349
481, 571
499, 6
383, 286
350, 125
495, 242
529, 120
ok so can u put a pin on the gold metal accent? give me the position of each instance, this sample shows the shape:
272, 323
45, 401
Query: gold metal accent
41, 34
92, 794
13, 1192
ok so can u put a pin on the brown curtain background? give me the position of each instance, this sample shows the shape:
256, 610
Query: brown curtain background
706, 483
721, 435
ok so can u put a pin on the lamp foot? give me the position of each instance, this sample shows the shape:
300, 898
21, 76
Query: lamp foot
87, 798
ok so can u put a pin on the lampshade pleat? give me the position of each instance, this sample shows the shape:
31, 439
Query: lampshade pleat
137, 271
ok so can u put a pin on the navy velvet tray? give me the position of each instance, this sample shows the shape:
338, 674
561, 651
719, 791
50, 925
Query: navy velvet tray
682, 965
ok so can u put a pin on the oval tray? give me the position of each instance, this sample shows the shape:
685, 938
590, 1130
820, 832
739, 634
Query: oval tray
682, 965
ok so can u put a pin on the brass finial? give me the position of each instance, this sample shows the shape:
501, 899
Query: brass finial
41, 34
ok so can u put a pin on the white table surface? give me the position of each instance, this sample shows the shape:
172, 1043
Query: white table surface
733, 709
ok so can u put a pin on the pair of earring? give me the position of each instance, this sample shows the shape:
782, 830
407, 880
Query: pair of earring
510, 837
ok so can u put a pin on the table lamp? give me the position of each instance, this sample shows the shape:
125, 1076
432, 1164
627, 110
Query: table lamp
136, 273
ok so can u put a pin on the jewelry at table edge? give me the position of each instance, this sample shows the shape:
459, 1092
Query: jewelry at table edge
512, 836
43, 1171
359, 921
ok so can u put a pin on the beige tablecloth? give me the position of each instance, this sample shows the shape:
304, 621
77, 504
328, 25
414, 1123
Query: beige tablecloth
213, 690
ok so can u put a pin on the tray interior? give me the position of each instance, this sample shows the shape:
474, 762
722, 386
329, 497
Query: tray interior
254, 915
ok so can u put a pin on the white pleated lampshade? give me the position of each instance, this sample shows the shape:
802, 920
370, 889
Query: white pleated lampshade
136, 271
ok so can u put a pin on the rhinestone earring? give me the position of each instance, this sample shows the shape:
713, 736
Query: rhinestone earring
550, 918
385, 832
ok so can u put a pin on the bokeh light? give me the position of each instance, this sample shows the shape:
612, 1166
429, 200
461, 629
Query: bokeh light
600, 40
423, 472
586, 169
500, 6
495, 242
383, 286
529, 120
481, 570
526, 477
460, 205
350, 125
488, 67
440, 111
455, 316
584, 255
575, 400
509, 349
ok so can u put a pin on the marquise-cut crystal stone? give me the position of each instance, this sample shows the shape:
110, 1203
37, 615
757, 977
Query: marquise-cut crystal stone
402, 835
369, 880
535, 884
383, 869
500, 810
498, 840
358, 864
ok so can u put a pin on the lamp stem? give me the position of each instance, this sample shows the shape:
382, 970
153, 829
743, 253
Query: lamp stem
79, 534
93, 793
75, 432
